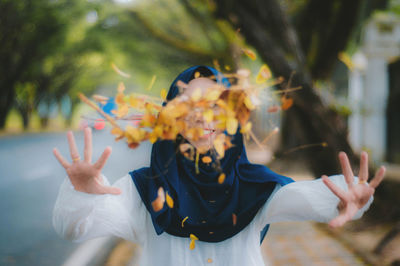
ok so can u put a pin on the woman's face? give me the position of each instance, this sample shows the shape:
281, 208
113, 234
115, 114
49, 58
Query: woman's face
195, 118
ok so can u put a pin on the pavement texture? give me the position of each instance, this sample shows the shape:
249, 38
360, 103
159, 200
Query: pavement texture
303, 243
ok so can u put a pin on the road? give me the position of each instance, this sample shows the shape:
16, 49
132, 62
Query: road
29, 181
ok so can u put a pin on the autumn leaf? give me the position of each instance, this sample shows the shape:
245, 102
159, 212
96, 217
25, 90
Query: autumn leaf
251, 54
120, 72
170, 201
234, 219
183, 221
163, 94
158, 203
246, 128
232, 125
221, 178
206, 159
286, 102
263, 75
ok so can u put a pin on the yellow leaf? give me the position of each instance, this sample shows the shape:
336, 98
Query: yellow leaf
346, 59
170, 201
246, 128
231, 125
192, 245
196, 75
193, 237
263, 75
219, 145
221, 178
196, 95
163, 94
206, 159
120, 72
208, 115
250, 54
121, 87
187, 217
213, 95
249, 104
153, 80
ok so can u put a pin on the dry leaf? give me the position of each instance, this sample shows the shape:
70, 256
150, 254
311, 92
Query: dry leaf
158, 203
170, 201
221, 178
206, 159
234, 219
183, 221
286, 102
250, 53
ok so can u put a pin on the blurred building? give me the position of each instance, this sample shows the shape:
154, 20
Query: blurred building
374, 90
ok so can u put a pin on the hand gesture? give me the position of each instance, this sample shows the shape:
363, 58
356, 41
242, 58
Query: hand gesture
357, 195
85, 176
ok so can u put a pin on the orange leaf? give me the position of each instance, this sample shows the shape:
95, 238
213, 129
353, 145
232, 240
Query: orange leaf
286, 103
206, 159
170, 201
273, 109
192, 245
250, 54
158, 203
234, 219
221, 178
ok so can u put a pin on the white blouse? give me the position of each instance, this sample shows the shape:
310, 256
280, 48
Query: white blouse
80, 216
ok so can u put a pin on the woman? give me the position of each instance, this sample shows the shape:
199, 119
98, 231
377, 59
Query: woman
210, 221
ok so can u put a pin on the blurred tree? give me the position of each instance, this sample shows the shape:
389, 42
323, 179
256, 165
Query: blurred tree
301, 39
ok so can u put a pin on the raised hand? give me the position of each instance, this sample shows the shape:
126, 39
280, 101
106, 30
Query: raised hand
85, 176
357, 195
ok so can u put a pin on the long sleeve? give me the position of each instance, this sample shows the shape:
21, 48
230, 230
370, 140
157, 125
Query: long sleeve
306, 200
79, 216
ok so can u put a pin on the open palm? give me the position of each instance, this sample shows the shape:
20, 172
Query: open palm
357, 195
85, 176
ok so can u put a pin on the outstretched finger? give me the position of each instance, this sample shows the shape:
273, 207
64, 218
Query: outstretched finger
72, 147
88, 145
346, 168
343, 218
378, 177
340, 193
60, 158
103, 158
363, 175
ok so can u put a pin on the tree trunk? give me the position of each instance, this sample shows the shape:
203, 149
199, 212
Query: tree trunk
309, 120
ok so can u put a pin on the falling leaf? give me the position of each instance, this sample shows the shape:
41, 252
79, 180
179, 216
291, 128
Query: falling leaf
193, 237
286, 102
192, 245
273, 109
227, 68
196, 95
246, 128
183, 221
153, 80
121, 87
158, 203
251, 54
208, 115
219, 145
163, 94
206, 159
234, 219
232, 125
120, 72
249, 103
118, 133
221, 178
196, 74
346, 59
170, 201
99, 124
263, 75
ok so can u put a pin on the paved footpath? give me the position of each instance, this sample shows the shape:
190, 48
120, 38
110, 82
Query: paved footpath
304, 244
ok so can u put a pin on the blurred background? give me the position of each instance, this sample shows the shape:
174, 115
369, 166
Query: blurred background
343, 54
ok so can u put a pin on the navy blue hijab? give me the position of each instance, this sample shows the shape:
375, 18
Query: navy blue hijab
209, 206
